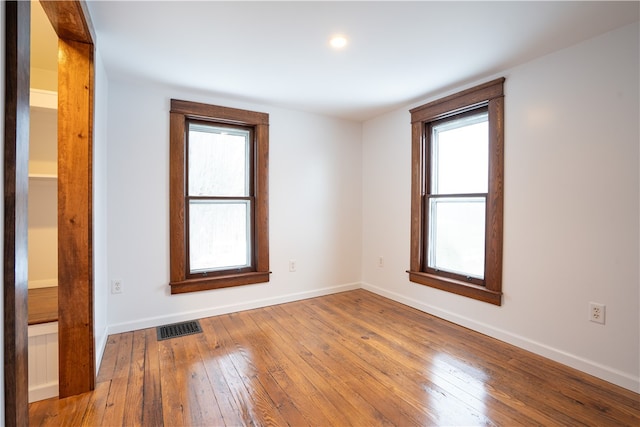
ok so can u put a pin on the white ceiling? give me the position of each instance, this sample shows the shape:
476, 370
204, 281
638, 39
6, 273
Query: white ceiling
278, 52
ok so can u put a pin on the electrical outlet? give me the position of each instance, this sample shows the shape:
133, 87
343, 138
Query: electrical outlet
292, 265
381, 261
116, 286
597, 312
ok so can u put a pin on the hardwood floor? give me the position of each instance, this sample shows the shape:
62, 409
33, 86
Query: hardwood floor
353, 358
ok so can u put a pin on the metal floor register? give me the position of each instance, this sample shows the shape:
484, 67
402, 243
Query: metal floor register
178, 330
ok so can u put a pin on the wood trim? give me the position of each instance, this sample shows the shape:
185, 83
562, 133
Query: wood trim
75, 217
495, 197
218, 282
180, 280
457, 287
72, 23
416, 195
18, 21
262, 202
176, 201
16, 165
208, 111
458, 102
70, 20
490, 94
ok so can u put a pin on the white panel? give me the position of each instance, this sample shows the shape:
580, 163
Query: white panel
52, 357
43, 361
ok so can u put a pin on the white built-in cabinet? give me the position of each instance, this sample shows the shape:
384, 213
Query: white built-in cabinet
43, 238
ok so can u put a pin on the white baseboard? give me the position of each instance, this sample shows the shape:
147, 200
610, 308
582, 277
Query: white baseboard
101, 344
43, 361
152, 322
606, 373
43, 391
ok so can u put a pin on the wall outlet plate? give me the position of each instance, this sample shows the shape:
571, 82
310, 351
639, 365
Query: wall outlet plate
116, 286
597, 312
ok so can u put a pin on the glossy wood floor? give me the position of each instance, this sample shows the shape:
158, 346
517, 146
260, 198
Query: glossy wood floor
349, 359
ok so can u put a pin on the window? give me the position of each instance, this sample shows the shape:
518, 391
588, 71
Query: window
457, 193
218, 197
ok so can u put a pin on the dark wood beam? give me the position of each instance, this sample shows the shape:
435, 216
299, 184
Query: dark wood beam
70, 20
16, 165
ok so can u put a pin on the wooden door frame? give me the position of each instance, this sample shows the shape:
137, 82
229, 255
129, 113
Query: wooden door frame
71, 21
76, 348
16, 164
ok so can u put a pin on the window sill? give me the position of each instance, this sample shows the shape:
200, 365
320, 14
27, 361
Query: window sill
480, 293
217, 282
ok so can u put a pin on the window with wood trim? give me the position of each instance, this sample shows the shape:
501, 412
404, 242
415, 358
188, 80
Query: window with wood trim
457, 193
218, 197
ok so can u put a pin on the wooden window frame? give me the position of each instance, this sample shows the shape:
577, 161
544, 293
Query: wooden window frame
491, 96
181, 280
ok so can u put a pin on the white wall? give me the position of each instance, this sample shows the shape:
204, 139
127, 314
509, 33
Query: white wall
571, 227
100, 236
314, 196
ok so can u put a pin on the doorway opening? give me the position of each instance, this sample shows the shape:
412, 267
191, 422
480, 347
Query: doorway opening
70, 20
43, 209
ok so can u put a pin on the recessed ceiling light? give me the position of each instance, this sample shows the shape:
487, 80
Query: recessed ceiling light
338, 42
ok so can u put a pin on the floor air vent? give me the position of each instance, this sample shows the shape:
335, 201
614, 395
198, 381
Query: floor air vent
178, 330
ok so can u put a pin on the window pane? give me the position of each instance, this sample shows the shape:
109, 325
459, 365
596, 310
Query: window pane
219, 235
460, 156
218, 161
456, 235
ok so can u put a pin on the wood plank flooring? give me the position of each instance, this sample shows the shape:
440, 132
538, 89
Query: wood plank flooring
348, 359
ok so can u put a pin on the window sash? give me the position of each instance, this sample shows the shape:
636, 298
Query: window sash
205, 256
456, 164
216, 162
460, 252
215, 165
459, 165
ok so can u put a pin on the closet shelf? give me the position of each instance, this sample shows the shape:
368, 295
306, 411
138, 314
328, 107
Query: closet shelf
43, 99
43, 176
